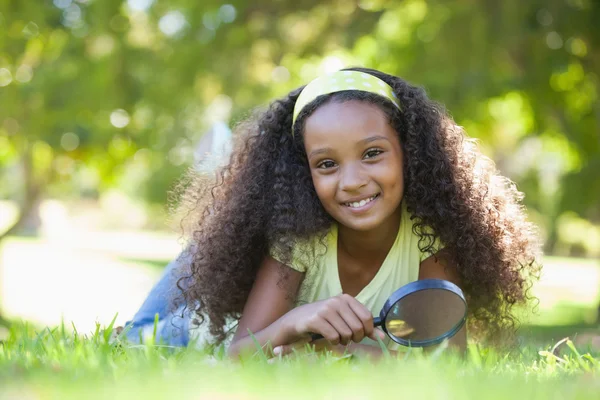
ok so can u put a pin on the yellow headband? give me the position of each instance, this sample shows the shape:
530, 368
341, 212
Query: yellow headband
340, 81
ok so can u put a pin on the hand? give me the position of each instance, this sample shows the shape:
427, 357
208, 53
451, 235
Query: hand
340, 320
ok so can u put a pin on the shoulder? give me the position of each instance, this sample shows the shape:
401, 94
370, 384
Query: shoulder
440, 266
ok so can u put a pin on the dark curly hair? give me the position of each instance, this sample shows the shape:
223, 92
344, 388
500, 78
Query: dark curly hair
264, 200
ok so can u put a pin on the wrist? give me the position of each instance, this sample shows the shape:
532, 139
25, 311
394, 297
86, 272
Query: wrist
286, 329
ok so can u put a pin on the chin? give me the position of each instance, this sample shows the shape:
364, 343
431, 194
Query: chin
366, 225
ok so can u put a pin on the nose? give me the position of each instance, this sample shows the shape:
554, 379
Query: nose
352, 177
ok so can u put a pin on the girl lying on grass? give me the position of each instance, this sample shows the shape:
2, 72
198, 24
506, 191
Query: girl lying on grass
339, 194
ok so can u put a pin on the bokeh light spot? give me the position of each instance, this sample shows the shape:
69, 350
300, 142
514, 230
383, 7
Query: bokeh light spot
554, 41
62, 4
211, 21
5, 77
280, 74
577, 47
172, 23
331, 64
544, 17
31, 30
140, 5
64, 165
119, 118
227, 13
69, 141
24, 73
72, 16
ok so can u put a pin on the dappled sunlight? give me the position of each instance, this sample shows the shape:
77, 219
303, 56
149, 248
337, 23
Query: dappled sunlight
567, 283
46, 283
79, 271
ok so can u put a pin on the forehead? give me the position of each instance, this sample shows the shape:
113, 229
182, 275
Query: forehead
349, 121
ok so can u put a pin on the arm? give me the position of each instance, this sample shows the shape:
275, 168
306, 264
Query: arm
270, 298
270, 315
438, 266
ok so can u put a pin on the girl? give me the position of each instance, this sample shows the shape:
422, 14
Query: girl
340, 193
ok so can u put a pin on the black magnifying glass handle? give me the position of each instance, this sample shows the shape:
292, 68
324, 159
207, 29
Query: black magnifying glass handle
377, 321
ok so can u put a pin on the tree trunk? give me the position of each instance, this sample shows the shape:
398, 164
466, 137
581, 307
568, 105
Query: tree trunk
32, 194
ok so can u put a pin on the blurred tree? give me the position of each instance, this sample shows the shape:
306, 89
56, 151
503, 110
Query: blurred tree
523, 76
95, 94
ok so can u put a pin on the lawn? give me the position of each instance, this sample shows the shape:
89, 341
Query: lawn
59, 362
54, 364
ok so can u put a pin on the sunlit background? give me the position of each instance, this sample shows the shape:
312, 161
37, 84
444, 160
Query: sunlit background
104, 103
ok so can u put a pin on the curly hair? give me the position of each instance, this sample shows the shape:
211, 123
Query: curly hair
264, 199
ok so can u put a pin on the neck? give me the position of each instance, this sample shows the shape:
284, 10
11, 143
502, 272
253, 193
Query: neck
372, 245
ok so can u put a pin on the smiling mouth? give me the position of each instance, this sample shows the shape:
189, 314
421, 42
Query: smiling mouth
358, 204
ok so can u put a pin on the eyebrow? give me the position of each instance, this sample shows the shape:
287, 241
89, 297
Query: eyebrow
327, 149
374, 138
319, 151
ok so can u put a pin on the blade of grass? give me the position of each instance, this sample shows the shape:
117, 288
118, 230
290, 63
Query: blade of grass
384, 349
259, 349
155, 328
474, 354
108, 331
582, 363
439, 350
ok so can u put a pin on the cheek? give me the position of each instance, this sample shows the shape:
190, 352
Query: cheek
389, 174
395, 175
323, 186
398, 182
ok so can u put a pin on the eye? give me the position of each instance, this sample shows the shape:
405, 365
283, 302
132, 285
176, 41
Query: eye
372, 153
326, 164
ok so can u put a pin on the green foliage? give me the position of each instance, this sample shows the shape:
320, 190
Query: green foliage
56, 363
116, 93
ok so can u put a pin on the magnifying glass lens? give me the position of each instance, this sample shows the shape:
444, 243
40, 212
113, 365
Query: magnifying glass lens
425, 314
398, 327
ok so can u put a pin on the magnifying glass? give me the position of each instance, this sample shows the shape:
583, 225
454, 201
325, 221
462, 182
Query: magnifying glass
422, 313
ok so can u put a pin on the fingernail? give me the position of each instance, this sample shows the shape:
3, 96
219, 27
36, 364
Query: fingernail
277, 350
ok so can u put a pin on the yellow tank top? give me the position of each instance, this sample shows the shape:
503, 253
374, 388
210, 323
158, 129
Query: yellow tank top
320, 265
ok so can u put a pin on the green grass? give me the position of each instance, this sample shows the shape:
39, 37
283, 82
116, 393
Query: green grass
38, 362
57, 364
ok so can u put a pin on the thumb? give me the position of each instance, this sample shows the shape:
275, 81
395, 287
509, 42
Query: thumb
285, 349
377, 334
281, 350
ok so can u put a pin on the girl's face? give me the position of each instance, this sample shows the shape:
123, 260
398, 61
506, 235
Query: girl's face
355, 160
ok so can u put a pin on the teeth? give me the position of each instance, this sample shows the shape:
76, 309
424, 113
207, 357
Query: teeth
356, 204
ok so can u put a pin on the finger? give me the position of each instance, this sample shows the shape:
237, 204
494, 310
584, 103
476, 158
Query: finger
326, 330
377, 334
363, 314
353, 321
283, 350
290, 348
343, 330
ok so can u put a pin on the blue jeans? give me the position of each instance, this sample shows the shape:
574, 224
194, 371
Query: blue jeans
173, 325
